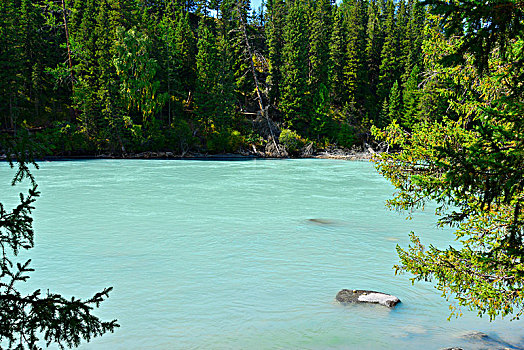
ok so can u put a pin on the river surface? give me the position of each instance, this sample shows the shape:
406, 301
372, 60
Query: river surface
225, 255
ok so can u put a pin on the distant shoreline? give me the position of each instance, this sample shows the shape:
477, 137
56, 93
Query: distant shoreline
197, 156
338, 154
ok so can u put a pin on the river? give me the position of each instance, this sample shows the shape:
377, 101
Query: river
239, 255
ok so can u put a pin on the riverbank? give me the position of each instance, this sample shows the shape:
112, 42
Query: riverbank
350, 156
356, 154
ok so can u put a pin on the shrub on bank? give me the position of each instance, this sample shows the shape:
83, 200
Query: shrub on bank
291, 140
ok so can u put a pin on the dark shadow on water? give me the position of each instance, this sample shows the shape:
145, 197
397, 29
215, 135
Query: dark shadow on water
324, 222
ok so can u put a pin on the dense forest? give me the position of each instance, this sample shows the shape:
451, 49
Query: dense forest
127, 76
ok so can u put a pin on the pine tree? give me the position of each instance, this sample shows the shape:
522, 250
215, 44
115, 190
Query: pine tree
276, 12
337, 49
395, 104
388, 57
413, 38
354, 69
374, 43
185, 45
170, 64
233, 33
32, 319
226, 85
411, 99
319, 45
31, 71
295, 69
467, 159
319, 63
207, 65
84, 90
402, 31
10, 52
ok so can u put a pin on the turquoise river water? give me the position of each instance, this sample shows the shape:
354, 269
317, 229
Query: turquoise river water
223, 255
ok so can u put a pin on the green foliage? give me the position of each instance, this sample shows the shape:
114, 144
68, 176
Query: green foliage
121, 72
32, 320
320, 118
337, 49
275, 40
319, 50
224, 141
213, 96
469, 161
411, 99
291, 140
395, 103
389, 55
182, 136
170, 65
137, 70
186, 47
346, 136
490, 26
295, 70
354, 70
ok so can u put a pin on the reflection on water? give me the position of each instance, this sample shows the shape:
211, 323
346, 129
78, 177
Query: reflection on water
240, 255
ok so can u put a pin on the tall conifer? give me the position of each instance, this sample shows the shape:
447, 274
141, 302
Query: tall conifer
295, 69
354, 63
389, 59
319, 63
276, 13
337, 49
374, 43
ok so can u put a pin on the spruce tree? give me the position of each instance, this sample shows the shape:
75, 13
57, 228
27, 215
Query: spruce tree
337, 49
170, 64
410, 99
413, 38
295, 69
240, 58
319, 63
395, 104
276, 12
84, 90
185, 45
402, 31
319, 45
10, 52
226, 85
388, 57
374, 43
207, 64
354, 63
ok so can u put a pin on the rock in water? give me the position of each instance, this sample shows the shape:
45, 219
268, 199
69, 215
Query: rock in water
321, 221
366, 296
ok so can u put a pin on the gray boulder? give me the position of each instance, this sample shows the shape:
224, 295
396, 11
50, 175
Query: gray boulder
366, 296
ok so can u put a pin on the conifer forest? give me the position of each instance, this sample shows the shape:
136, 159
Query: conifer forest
127, 76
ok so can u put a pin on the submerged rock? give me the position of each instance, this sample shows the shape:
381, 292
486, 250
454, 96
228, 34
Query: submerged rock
366, 296
488, 342
322, 221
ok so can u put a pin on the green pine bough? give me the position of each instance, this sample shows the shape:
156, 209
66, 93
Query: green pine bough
29, 321
466, 154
